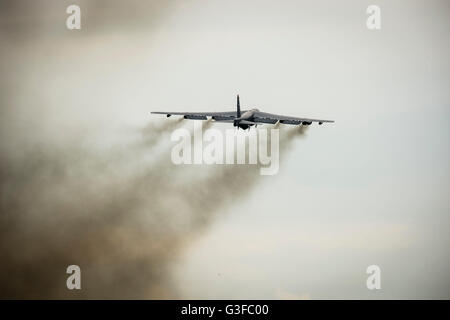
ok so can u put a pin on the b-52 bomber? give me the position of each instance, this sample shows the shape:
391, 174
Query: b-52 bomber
244, 119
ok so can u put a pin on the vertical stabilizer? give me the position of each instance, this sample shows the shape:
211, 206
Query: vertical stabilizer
238, 106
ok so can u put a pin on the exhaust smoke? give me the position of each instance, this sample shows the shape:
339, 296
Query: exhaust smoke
122, 220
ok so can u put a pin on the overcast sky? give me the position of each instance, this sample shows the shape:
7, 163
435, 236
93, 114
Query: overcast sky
372, 188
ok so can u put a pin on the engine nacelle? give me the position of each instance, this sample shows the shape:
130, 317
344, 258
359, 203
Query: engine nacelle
294, 122
195, 117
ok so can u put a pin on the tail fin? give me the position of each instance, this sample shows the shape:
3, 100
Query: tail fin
238, 110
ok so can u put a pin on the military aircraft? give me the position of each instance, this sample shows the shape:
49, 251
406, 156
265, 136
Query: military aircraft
243, 119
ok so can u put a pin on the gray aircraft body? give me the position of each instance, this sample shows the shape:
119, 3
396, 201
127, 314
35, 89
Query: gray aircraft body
244, 119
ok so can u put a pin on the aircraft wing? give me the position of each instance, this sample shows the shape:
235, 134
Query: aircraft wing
218, 116
263, 117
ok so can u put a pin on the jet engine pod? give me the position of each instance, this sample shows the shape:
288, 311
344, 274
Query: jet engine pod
195, 117
294, 122
267, 120
306, 123
222, 118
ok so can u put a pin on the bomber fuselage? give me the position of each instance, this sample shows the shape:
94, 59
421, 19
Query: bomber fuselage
244, 120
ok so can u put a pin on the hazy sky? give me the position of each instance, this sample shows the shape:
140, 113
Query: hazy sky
371, 188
